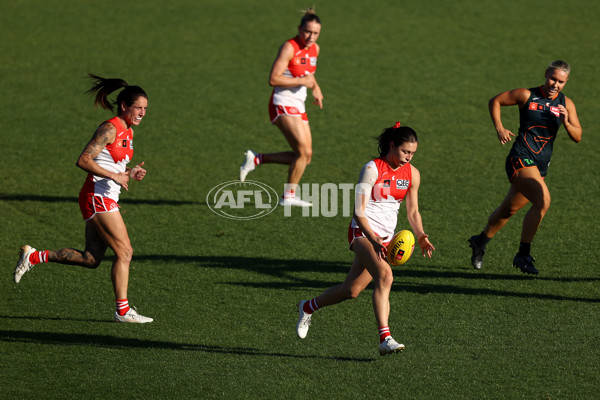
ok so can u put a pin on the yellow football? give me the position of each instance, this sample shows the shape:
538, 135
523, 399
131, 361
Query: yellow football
400, 248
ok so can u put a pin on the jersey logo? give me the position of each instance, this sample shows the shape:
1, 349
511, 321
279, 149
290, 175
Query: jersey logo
555, 111
536, 107
313, 61
402, 184
124, 143
386, 183
538, 141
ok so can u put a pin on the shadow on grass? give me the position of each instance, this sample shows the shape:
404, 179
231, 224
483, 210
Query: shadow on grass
71, 199
113, 342
286, 273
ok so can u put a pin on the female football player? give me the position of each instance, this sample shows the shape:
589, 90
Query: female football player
382, 186
104, 159
291, 74
542, 110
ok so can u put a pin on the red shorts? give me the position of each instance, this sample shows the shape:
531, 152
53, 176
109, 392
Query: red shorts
276, 111
355, 233
89, 204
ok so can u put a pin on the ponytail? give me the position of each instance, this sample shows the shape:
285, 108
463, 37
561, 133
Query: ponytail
102, 87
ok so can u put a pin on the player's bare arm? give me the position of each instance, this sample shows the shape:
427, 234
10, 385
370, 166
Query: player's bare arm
509, 98
104, 135
414, 216
276, 77
568, 115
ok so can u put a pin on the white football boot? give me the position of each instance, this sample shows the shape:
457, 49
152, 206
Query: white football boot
23, 265
303, 321
248, 164
132, 316
294, 201
389, 346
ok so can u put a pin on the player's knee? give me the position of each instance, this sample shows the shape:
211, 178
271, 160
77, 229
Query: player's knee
92, 260
304, 153
546, 203
308, 156
543, 204
352, 293
124, 253
386, 279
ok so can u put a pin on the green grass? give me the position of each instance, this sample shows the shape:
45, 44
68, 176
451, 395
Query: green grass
223, 292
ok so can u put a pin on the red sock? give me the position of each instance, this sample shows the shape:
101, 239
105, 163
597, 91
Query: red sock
289, 194
310, 306
258, 159
384, 331
122, 306
38, 257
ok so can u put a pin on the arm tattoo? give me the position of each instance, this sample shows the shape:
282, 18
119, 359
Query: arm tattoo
105, 134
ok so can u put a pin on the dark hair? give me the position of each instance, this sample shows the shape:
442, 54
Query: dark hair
396, 134
559, 64
309, 16
102, 87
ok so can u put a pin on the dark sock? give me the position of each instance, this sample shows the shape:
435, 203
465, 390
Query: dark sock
524, 249
482, 240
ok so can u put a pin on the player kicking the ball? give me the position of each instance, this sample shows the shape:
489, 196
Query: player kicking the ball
104, 158
383, 184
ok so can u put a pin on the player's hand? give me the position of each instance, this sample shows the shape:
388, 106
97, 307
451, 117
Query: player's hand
564, 114
137, 173
504, 135
122, 179
309, 81
379, 248
318, 95
426, 246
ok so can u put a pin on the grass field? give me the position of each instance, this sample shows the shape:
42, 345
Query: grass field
223, 293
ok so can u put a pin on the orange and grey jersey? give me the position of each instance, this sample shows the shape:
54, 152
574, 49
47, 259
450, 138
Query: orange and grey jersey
388, 187
303, 62
539, 123
114, 157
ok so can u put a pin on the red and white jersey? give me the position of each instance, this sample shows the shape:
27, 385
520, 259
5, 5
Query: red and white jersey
389, 189
114, 157
302, 63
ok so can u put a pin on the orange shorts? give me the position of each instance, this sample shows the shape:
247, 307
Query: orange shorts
90, 204
276, 111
